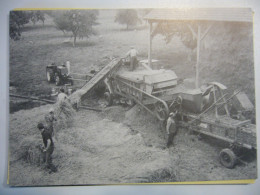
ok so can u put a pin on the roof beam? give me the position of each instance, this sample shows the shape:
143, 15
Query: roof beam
206, 32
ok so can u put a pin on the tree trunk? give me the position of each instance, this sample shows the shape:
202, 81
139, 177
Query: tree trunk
74, 41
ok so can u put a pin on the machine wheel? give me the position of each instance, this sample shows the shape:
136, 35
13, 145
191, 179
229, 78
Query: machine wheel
48, 75
57, 80
108, 99
179, 100
162, 111
227, 158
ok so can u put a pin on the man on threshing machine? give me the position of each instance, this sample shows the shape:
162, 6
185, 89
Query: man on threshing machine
132, 53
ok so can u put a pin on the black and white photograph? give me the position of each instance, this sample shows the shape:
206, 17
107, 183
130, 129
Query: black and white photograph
131, 96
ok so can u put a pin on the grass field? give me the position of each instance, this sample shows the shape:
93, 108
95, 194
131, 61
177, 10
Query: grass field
122, 144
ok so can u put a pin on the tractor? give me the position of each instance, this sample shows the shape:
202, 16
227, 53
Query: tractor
58, 74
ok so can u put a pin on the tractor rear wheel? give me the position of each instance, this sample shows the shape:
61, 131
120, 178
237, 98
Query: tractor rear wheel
227, 158
70, 81
108, 98
57, 80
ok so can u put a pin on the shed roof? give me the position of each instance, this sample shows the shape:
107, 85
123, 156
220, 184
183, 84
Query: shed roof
202, 14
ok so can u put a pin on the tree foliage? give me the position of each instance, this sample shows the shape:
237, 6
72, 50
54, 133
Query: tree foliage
127, 17
79, 22
178, 29
18, 19
37, 16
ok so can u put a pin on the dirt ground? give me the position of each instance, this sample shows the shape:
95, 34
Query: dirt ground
120, 144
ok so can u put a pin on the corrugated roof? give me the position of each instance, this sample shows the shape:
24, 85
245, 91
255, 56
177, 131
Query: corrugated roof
202, 14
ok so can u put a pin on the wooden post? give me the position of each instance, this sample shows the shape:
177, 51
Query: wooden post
225, 102
215, 100
198, 57
150, 44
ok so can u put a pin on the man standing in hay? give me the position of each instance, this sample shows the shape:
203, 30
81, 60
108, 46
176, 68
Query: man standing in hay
48, 147
50, 118
65, 111
171, 128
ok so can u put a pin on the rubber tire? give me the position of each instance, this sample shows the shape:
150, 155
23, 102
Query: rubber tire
57, 80
108, 98
227, 158
48, 76
70, 82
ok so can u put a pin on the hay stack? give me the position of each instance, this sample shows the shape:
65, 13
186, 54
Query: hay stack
64, 113
30, 150
75, 98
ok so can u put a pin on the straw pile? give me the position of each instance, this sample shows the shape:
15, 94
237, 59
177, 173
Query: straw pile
75, 98
64, 113
26, 138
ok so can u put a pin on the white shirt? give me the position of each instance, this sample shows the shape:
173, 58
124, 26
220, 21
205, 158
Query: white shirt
132, 53
170, 121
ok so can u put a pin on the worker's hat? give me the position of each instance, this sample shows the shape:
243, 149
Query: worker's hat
51, 110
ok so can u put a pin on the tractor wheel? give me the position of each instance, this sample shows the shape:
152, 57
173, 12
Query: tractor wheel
49, 76
227, 158
162, 111
108, 99
57, 80
70, 82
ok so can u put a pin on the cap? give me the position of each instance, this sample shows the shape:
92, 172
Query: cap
51, 110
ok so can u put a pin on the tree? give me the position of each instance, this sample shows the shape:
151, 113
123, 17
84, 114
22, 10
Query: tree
37, 16
179, 29
128, 17
16, 21
80, 23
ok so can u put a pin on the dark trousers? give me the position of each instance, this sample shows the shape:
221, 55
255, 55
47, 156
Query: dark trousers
133, 62
171, 136
48, 154
170, 139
